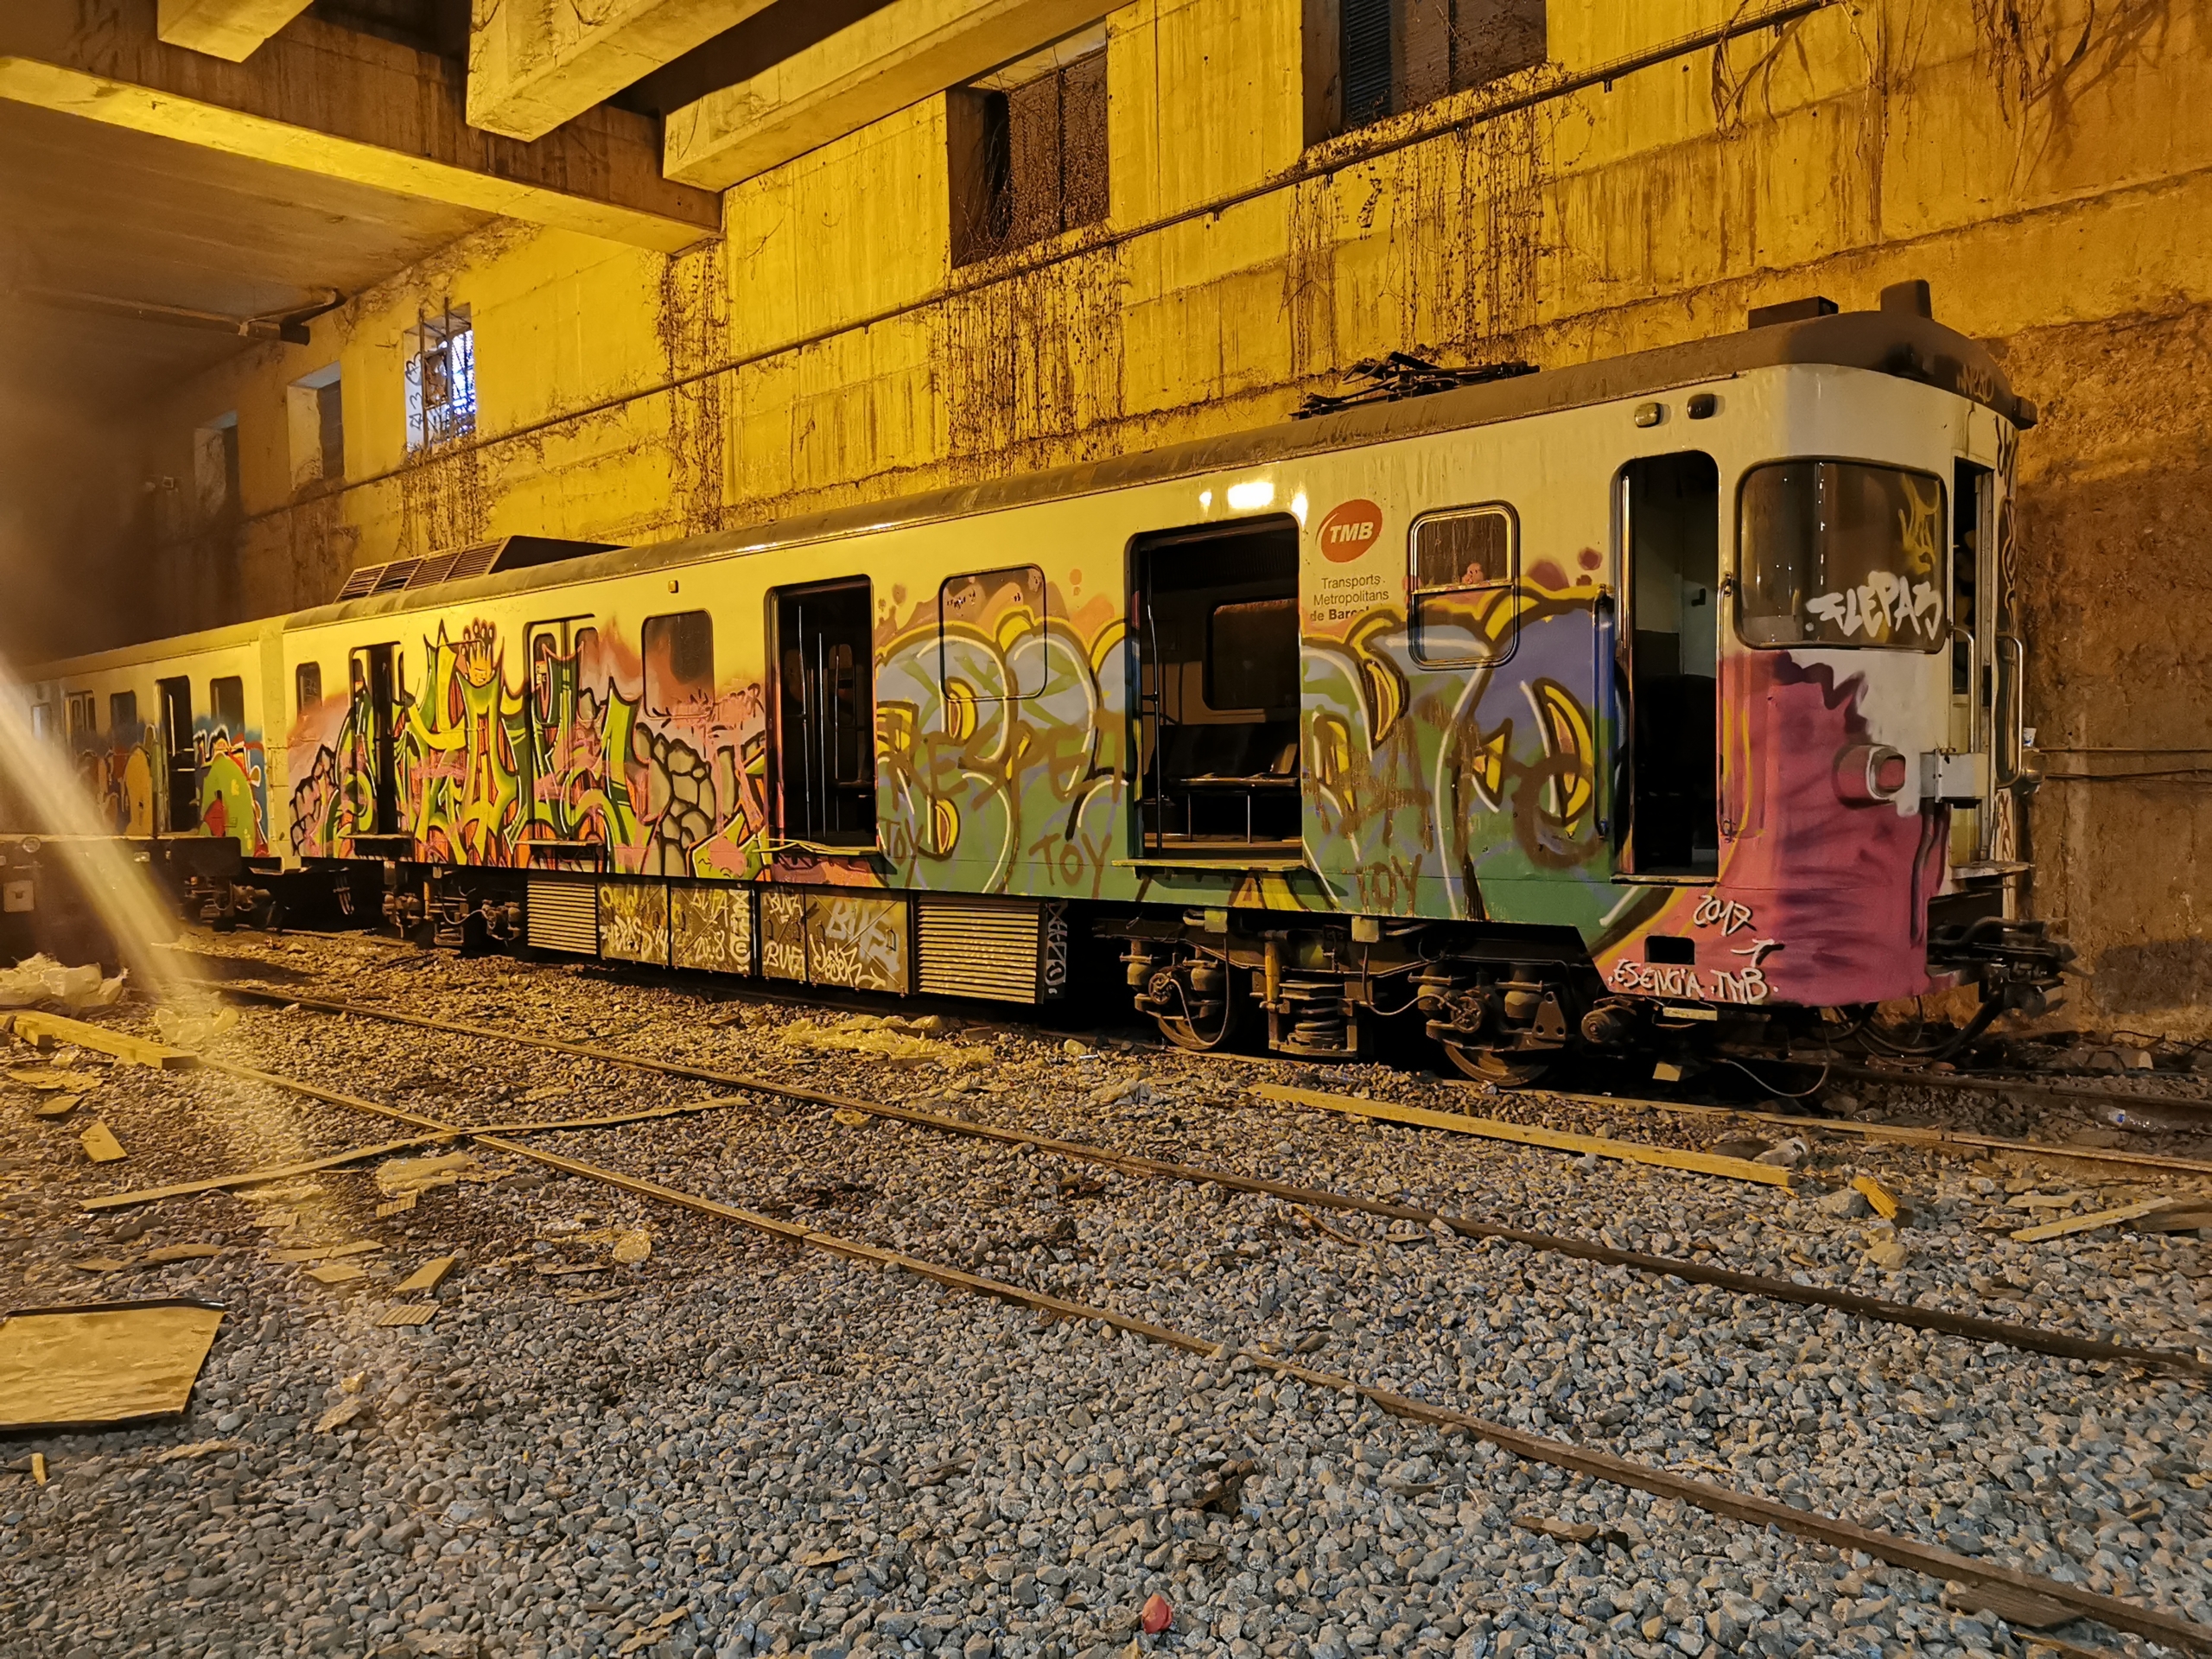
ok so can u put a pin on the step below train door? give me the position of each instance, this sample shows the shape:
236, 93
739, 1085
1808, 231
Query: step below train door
1669, 646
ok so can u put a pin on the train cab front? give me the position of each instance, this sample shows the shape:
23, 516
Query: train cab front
1823, 773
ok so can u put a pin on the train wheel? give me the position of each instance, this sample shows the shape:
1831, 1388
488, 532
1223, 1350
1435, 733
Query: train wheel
1198, 1024
1515, 1070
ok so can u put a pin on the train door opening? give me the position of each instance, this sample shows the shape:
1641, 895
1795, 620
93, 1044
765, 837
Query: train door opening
375, 690
1671, 526
181, 757
1216, 619
826, 714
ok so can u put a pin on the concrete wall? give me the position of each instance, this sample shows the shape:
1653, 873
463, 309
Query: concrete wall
2042, 164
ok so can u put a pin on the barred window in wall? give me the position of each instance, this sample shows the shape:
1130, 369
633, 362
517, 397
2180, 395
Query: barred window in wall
1028, 149
1465, 563
441, 379
1384, 57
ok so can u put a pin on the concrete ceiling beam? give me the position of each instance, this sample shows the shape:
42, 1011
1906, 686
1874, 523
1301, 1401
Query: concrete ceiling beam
229, 29
532, 68
351, 107
911, 50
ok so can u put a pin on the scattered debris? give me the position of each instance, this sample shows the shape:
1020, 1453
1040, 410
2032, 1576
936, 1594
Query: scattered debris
100, 1040
399, 1178
1225, 1492
195, 1449
38, 1467
1157, 1615
336, 1272
427, 1277
110, 1362
651, 1633
189, 1031
39, 978
1786, 1155
396, 1207
1889, 1254
413, 1313
98, 1264
1568, 1532
631, 1246
342, 1414
169, 1253
100, 1145
894, 1040
851, 1118
59, 1106
2096, 1218
325, 1252
55, 1077
1878, 1198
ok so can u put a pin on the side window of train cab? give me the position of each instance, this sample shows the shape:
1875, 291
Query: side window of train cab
1465, 562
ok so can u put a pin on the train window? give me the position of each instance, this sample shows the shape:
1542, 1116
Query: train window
122, 716
227, 704
84, 719
679, 662
990, 634
1841, 553
307, 687
1252, 657
1464, 565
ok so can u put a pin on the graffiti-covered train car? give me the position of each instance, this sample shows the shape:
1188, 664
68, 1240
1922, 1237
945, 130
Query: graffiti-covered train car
1665, 693
172, 738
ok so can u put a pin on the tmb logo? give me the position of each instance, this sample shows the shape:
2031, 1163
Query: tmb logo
1350, 531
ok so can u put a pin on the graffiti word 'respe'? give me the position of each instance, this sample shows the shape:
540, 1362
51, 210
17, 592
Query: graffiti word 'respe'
1349, 531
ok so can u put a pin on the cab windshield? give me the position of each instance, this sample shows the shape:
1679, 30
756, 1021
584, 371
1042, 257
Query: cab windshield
1840, 553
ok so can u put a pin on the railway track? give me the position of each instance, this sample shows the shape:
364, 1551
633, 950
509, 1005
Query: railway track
1742, 1506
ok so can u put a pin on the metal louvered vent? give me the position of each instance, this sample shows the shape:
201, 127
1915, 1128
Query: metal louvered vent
396, 575
562, 916
362, 583
474, 561
980, 947
1364, 47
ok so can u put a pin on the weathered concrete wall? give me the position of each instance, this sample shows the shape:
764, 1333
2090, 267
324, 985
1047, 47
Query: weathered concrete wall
2045, 165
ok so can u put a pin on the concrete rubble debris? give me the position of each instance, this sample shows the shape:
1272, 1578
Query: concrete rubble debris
39, 978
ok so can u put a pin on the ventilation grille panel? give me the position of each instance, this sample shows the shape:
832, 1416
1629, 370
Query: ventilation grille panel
562, 916
979, 947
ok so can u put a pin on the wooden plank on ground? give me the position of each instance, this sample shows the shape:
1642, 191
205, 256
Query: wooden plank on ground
100, 1144
2094, 1219
1878, 1198
428, 1276
1528, 1135
136, 1051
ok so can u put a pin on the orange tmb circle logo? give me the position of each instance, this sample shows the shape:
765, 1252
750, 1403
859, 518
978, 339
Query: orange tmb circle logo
1349, 531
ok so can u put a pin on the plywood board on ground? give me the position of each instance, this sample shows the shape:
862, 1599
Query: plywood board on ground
138, 1050
113, 1363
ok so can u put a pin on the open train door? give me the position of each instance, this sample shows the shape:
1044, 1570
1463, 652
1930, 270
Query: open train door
374, 684
179, 813
1670, 668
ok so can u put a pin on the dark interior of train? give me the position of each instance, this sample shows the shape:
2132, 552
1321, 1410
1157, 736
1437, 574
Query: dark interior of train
1674, 578
1217, 625
826, 714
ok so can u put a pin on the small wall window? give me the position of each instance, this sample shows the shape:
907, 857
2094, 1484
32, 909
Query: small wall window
84, 720
440, 379
1464, 565
1367, 60
679, 662
1028, 149
123, 717
227, 704
990, 634
307, 687
215, 469
315, 420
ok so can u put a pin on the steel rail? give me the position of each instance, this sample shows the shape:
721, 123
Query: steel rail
2029, 1339
1724, 1501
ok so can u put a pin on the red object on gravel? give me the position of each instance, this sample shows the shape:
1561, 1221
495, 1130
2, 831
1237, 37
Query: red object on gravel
1157, 1615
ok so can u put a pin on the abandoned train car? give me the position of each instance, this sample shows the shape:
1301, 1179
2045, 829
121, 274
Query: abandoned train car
1655, 695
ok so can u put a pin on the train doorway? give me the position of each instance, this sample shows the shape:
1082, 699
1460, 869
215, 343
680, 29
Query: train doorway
1216, 618
180, 757
1670, 508
826, 714
375, 691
